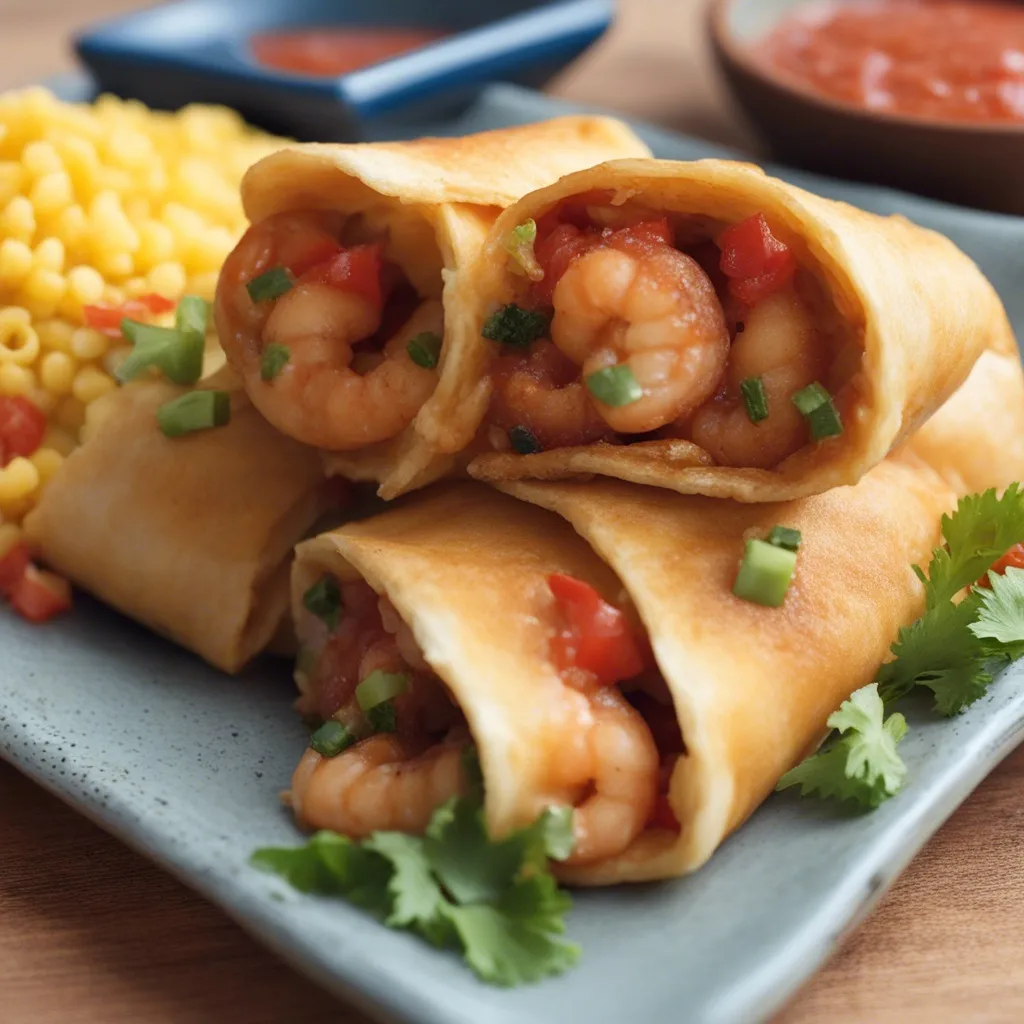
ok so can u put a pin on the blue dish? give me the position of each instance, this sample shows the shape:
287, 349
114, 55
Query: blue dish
198, 51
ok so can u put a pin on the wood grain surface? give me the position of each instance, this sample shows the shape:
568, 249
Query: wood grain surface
92, 933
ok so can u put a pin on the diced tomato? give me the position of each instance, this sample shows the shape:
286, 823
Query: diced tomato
39, 595
12, 567
595, 635
108, 318
22, 426
1013, 559
356, 270
755, 261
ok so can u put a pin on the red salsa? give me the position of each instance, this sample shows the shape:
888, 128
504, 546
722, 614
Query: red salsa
331, 51
956, 60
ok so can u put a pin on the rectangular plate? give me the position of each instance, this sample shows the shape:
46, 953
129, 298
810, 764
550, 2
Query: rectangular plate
185, 765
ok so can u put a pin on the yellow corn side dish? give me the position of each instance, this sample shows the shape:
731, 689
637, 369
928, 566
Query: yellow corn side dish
100, 203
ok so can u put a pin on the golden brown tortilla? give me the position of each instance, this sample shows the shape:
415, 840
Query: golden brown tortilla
925, 312
436, 199
191, 536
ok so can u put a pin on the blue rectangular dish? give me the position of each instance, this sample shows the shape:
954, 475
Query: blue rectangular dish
185, 765
198, 51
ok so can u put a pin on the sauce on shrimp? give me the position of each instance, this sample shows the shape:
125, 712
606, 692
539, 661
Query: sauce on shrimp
627, 324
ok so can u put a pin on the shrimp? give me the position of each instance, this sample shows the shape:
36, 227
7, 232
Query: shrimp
654, 311
377, 785
543, 393
779, 344
624, 780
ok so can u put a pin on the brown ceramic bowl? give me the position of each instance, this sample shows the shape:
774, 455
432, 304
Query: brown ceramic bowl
973, 164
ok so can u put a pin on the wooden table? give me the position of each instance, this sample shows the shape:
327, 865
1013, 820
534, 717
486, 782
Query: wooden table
91, 933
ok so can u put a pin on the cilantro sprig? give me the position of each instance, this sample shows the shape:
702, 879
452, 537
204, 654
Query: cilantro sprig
455, 886
862, 765
954, 650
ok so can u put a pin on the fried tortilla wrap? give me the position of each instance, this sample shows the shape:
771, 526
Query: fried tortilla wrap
706, 328
344, 307
604, 665
191, 536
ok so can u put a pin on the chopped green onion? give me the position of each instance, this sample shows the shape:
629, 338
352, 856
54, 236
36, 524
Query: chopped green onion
524, 440
379, 687
765, 574
275, 359
323, 600
816, 406
516, 327
382, 718
271, 284
518, 244
754, 398
197, 410
615, 386
425, 349
192, 314
179, 354
785, 537
331, 738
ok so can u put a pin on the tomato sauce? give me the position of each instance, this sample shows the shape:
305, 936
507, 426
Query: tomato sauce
952, 60
328, 52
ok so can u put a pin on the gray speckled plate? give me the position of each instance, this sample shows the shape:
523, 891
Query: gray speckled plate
185, 765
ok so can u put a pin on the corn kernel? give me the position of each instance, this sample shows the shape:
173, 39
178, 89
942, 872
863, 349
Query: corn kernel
69, 413
15, 262
18, 479
57, 372
91, 383
47, 461
16, 380
52, 192
49, 254
9, 536
60, 440
40, 158
136, 286
55, 335
18, 220
87, 344
19, 342
85, 285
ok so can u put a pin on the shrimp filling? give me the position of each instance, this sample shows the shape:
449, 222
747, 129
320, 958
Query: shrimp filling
404, 734
338, 347
625, 324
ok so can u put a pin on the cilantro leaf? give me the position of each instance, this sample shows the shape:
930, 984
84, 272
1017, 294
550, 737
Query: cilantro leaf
863, 765
516, 327
455, 886
941, 652
1001, 615
982, 529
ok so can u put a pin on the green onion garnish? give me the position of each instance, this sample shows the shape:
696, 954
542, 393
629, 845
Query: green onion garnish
275, 359
518, 244
331, 738
177, 353
524, 441
785, 537
197, 410
271, 284
765, 574
192, 314
379, 687
754, 398
615, 386
323, 600
425, 349
382, 717
815, 404
516, 327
